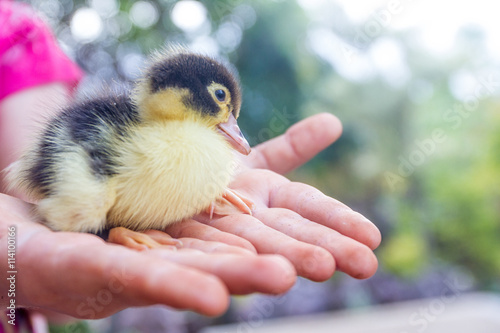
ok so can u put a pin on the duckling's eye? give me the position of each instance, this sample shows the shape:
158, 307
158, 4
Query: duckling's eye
220, 94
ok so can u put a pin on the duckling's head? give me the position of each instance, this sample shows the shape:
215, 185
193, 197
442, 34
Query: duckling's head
181, 85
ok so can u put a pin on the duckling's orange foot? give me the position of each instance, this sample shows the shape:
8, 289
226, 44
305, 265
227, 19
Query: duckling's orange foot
231, 203
140, 241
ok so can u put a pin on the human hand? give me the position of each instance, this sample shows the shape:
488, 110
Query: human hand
316, 233
81, 275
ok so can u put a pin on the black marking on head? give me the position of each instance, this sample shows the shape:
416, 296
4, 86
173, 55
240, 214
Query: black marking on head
196, 73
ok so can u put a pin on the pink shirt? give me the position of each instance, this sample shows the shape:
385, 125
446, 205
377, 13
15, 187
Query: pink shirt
29, 53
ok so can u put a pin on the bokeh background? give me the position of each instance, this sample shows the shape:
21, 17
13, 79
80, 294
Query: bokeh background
416, 85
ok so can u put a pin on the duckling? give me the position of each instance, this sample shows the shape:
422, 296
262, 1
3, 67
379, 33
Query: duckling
133, 163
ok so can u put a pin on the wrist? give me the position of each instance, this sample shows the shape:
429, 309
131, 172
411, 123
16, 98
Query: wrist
15, 229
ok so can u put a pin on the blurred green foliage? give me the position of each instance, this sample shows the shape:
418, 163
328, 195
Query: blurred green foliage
434, 200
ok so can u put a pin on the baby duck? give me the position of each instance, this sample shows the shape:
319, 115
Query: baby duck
145, 161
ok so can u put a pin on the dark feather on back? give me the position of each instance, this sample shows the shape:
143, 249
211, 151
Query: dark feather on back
82, 125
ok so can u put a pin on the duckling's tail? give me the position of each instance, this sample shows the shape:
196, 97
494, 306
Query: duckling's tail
12, 181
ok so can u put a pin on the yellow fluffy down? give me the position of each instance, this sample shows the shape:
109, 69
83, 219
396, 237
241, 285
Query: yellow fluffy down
169, 171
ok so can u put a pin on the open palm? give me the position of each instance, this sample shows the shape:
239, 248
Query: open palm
316, 233
81, 275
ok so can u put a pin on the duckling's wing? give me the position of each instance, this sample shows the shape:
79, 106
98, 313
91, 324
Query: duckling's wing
71, 169
78, 200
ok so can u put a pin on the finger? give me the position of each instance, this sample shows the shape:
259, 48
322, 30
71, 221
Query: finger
86, 278
195, 229
241, 274
351, 257
270, 241
169, 283
213, 247
315, 206
299, 144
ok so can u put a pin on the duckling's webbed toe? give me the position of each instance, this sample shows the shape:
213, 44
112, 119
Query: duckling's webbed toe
137, 240
231, 202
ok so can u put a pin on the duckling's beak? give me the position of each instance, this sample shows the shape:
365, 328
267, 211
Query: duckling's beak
234, 136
